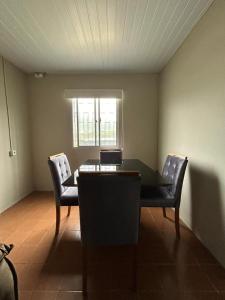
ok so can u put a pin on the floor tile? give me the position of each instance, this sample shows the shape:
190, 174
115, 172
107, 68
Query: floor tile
216, 275
149, 278
123, 276
29, 277
179, 296
123, 295
71, 282
25, 295
99, 277
44, 295
185, 278
70, 296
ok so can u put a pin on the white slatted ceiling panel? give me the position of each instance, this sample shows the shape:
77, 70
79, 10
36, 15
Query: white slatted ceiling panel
72, 36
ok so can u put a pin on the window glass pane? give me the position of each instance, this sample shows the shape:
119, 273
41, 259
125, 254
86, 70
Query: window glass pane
86, 121
97, 121
75, 141
108, 117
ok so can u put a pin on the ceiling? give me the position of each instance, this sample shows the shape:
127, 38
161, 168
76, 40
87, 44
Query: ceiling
72, 36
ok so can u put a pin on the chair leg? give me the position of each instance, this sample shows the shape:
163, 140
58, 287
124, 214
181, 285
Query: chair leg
57, 219
177, 222
84, 269
164, 212
69, 209
134, 287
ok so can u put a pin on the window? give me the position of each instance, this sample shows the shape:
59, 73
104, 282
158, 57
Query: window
96, 122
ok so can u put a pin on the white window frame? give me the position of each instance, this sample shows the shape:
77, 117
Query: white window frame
97, 94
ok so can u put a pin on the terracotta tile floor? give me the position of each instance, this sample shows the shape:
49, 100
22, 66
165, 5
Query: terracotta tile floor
50, 269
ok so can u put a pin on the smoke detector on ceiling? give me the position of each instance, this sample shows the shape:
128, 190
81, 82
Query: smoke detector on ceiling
39, 75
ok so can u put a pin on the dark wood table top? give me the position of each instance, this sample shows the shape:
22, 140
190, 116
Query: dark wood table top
149, 177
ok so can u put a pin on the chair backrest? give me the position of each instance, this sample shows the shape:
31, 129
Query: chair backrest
174, 169
112, 156
109, 208
60, 171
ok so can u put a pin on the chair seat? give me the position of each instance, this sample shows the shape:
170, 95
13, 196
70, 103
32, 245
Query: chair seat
160, 197
69, 197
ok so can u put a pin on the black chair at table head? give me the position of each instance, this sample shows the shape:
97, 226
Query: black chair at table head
111, 156
169, 196
64, 196
109, 210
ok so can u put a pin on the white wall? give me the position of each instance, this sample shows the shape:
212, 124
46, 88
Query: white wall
15, 172
192, 122
52, 119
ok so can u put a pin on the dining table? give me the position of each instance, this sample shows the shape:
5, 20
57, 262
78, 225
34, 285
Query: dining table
150, 178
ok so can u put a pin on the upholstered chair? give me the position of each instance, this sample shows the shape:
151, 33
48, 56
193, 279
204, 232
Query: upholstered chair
8, 277
112, 156
64, 196
169, 196
109, 211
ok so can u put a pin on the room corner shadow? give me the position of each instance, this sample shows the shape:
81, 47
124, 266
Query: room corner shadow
206, 205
